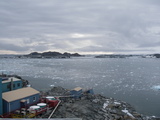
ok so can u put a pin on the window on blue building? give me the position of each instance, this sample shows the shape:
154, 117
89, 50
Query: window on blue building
8, 86
27, 101
34, 99
18, 84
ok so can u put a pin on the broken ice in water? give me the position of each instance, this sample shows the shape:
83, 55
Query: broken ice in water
156, 87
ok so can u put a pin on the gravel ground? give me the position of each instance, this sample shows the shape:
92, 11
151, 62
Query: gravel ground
92, 107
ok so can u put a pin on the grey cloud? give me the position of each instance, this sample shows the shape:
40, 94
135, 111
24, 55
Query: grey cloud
12, 47
23, 48
115, 50
122, 24
150, 44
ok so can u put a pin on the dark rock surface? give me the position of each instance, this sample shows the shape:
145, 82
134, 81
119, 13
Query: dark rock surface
93, 107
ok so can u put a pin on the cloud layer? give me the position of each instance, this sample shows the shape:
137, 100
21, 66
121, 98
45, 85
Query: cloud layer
104, 26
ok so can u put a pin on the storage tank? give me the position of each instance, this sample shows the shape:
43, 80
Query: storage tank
41, 105
50, 98
34, 107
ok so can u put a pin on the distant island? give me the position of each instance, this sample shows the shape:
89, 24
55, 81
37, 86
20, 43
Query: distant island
55, 54
128, 56
51, 55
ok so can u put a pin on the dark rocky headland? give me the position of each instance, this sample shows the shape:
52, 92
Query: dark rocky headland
51, 55
92, 107
128, 56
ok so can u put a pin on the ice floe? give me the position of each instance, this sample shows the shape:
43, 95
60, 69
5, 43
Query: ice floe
52, 85
156, 87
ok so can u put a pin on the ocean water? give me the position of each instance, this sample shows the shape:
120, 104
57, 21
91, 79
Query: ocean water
134, 80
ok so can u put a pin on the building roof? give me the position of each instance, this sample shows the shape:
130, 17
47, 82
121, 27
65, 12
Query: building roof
11, 78
19, 94
77, 89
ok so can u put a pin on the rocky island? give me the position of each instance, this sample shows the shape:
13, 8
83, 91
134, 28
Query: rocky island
128, 56
92, 107
51, 55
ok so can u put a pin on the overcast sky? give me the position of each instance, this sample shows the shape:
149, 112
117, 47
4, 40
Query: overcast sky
83, 26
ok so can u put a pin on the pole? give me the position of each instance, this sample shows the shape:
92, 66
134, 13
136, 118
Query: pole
54, 110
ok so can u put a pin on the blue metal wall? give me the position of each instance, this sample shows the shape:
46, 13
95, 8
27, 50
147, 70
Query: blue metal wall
90, 91
5, 87
14, 105
76, 94
1, 112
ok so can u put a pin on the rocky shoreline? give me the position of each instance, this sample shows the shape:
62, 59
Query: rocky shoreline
92, 107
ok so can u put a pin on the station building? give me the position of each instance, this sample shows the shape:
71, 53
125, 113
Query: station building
11, 83
76, 92
20, 98
14, 96
1, 105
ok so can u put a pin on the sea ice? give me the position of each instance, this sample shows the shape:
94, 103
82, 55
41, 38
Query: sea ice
126, 85
156, 87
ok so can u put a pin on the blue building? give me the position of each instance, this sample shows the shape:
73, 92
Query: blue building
1, 105
19, 98
90, 91
76, 92
12, 83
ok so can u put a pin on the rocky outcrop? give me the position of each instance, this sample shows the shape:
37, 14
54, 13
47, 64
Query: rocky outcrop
156, 55
52, 55
93, 107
